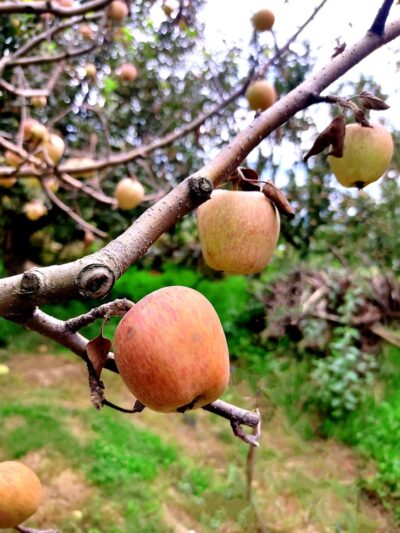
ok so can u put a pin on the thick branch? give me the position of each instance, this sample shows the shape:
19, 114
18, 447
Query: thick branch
93, 276
378, 26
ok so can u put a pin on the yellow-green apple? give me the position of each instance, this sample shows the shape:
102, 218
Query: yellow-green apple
366, 156
91, 71
171, 351
39, 101
238, 231
263, 20
261, 95
20, 492
53, 147
39, 132
118, 10
129, 193
35, 209
128, 72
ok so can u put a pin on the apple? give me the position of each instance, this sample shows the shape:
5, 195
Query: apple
168, 9
66, 3
129, 193
27, 127
39, 101
128, 72
20, 492
171, 351
118, 10
4, 370
86, 31
78, 163
238, 231
261, 95
35, 209
91, 71
12, 159
54, 147
366, 156
7, 183
263, 20
39, 132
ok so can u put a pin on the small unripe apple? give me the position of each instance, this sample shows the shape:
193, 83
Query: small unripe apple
20, 492
366, 156
91, 71
261, 95
118, 10
34, 210
28, 124
39, 101
78, 163
39, 132
54, 147
238, 231
263, 20
171, 351
128, 72
12, 159
86, 31
129, 193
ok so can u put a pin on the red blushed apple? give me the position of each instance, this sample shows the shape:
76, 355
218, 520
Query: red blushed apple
171, 351
20, 491
238, 231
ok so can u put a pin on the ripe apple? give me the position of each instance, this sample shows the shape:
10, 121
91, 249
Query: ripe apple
128, 72
118, 10
54, 147
238, 231
86, 31
35, 209
263, 20
20, 492
91, 71
7, 183
129, 193
171, 351
367, 155
261, 95
39, 101
12, 159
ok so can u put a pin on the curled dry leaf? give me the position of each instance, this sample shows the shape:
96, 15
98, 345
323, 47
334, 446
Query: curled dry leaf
360, 118
279, 199
248, 179
97, 351
370, 101
332, 136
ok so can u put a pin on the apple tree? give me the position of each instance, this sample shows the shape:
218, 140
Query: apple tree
105, 111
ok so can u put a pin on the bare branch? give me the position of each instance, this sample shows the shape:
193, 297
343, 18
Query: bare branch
53, 8
378, 26
70, 212
41, 60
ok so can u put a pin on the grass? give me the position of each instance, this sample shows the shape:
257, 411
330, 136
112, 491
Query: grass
108, 473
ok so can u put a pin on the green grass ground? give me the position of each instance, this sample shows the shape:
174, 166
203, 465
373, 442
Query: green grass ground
110, 472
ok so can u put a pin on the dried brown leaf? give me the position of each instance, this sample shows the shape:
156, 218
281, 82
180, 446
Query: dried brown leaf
370, 101
279, 199
248, 179
332, 136
97, 351
360, 117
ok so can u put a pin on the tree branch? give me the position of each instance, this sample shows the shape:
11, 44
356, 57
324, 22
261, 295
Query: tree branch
53, 8
378, 26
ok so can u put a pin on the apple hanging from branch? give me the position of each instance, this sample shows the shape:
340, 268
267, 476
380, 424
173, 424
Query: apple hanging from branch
238, 231
20, 492
171, 351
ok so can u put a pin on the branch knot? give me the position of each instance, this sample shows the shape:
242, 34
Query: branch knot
95, 281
